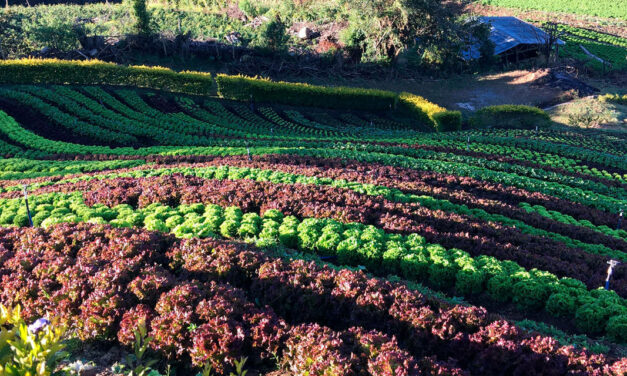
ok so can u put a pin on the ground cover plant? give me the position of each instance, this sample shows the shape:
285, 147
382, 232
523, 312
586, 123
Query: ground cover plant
309, 240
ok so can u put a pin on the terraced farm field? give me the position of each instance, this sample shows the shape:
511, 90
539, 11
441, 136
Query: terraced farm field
601, 8
311, 241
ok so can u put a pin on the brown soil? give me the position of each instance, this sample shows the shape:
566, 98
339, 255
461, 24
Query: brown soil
235, 13
603, 25
477, 91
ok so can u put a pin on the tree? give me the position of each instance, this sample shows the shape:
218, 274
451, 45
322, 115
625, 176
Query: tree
391, 26
273, 34
552, 36
142, 18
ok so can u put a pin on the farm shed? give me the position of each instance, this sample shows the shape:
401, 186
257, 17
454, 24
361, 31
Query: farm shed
513, 39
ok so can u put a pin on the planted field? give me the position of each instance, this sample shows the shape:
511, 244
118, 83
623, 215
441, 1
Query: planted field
311, 241
600, 8
612, 49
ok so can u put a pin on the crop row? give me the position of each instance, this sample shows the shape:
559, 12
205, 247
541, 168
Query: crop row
600, 8
450, 200
515, 217
463, 191
102, 299
551, 162
142, 112
449, 229
111, 121
69, 122
18, 134
618, 233
594, 35
602, 149
18, 168
386, 156
352, 244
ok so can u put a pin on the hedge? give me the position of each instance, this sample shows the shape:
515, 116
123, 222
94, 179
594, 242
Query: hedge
299, 94
614, 98
95, 72
510, 116
244, 88
440, 118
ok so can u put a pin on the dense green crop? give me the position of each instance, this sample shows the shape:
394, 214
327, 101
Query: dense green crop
601, 8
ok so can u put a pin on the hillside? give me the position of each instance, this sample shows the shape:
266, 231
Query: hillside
251, 234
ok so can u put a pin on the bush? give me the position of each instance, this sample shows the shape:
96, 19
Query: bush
298, 94
614, 98
419, 108
94, 72
448, 121
273, 35
34, 349
510, 116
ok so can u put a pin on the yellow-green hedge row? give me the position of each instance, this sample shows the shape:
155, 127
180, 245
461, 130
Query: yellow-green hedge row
94, 72
614, 98
439, 117
510, 116
298, 94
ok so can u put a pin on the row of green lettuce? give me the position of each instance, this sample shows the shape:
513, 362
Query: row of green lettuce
236, 173
367, 153
594, 312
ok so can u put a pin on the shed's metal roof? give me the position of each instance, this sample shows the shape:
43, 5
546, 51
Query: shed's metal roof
507, 33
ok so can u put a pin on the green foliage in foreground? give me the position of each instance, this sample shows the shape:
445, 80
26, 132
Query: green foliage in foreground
33, 350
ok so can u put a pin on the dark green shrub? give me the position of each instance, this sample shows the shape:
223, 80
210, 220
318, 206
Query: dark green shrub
142, 18
448, 121
510, 116
94, 72
273, 35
